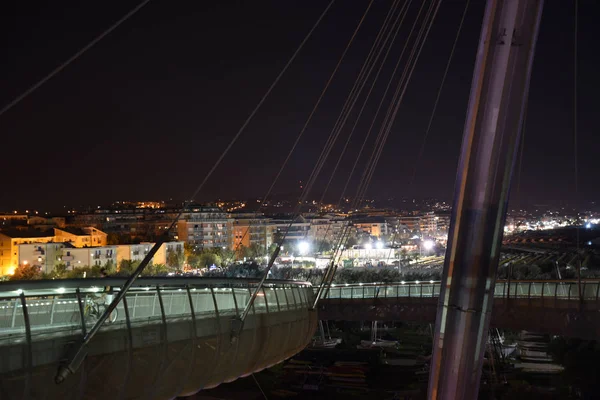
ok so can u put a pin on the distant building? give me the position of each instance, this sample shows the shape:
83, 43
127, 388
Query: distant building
205, 227
428, 223
133, 252
44, 255
136, 223
11, 239
412, 222
162, 254
297, 229
137, 252
74, 257
81, 237
252, 229
9, 242
326, 228
374, 226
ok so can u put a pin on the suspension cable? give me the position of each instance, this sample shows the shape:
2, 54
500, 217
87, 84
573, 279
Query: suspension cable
435, 7
314, 173
404, 10
319, 164
380, 104
72, 58
77, 353
439, 94
392, 109
433, 113
349, 104
311, 114
368, 66
360, 194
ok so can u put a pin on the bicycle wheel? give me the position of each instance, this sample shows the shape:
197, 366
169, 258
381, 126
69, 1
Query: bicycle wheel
76, 317
113, 315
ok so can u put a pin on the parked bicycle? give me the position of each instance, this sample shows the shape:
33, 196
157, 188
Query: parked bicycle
94, 308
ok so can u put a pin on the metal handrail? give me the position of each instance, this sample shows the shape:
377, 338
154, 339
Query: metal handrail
517, 286
149, 281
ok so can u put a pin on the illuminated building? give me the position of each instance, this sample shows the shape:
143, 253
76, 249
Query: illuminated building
205, 227
11, 239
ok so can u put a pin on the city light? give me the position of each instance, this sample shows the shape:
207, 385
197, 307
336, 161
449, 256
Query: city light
303, 247
428, 244
588, 225
368, 246
379, 244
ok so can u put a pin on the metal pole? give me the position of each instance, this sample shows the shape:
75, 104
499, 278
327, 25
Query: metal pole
77, 353
490, 141
259, 287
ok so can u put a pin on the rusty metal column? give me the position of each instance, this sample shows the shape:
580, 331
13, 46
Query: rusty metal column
490, 141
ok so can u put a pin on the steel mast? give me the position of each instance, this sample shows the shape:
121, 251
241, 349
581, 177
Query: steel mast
491, 136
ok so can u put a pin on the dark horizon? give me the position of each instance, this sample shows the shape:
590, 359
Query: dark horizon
147, 111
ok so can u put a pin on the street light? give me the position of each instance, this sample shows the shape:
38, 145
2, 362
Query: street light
303, 247
428, 244
379, 244
368, 246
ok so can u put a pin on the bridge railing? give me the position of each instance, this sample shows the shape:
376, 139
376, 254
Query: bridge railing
563, 290
60, 307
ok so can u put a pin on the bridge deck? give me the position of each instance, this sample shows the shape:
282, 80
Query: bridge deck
540, 306
178, 330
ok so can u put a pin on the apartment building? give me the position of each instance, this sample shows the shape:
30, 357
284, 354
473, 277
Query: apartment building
205, 227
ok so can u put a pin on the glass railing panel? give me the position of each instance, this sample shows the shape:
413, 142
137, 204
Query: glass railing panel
415, 290
436, 289
512, 288
271, 298
346, 293
8, 313
260, 303
301, 295
391, 291
143, 305
309, 293
61, 311
562, 290
590, 290
204, 305
291, 296
176, 303
358, 292
242, 296
334, 293
522, 289
535, 290
403, 290
369, 292
225, 301
282, 298
549, 289
427, 290
500, 289
12, 333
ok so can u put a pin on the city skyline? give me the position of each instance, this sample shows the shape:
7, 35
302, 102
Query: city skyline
170, 110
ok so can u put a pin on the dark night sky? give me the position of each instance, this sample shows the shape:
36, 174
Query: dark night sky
145, 113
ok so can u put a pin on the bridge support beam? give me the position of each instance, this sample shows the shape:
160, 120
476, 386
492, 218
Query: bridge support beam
490, 141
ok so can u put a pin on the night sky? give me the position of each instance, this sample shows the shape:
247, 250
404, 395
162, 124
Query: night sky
147, 111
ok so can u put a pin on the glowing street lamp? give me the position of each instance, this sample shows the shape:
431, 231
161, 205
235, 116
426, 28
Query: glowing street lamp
379, 244
303, 247
428, 244
368, 246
